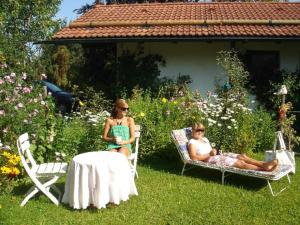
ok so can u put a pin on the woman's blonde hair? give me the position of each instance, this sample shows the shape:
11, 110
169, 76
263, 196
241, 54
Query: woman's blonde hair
196, 126
119, 103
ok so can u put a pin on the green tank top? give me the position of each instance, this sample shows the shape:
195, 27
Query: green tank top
119, 130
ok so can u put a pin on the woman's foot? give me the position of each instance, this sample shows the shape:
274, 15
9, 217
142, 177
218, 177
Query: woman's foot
270, 166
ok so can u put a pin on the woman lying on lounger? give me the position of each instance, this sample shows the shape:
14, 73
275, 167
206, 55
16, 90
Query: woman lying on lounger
199, 149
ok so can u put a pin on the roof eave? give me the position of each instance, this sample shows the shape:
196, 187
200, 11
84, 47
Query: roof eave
154, 39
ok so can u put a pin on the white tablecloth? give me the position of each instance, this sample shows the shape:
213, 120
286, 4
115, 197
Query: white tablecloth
98, 178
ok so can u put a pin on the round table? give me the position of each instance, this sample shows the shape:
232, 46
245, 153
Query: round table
98, 178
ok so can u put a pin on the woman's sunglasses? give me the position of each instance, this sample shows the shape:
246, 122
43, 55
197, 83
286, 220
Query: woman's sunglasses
124, 109
199, 130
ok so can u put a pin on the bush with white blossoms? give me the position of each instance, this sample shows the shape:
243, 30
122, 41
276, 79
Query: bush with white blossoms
235, 127
229, 124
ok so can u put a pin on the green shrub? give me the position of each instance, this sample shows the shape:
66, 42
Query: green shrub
77, 134
230, 125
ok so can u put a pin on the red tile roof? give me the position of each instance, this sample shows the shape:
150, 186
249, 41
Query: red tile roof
186, 20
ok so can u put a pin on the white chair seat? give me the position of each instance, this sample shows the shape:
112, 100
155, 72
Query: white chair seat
50, 169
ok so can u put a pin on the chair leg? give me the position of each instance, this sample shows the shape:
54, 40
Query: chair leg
275, 194
223, 177
31, 192
183, 169
43, 188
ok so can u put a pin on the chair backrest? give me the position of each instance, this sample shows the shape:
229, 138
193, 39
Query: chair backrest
137, 134
27, 159
181, 138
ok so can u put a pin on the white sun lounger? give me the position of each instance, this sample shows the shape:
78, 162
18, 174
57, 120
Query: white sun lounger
181, 137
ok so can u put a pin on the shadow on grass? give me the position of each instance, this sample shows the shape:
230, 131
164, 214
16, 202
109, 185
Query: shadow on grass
208, 175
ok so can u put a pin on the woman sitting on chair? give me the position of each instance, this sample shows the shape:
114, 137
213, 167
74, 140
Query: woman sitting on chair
119, 129
199, 149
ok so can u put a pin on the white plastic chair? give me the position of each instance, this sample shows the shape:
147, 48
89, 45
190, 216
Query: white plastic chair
43, 176
134, 155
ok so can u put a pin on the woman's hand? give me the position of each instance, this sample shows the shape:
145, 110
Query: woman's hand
213, 152
122, 143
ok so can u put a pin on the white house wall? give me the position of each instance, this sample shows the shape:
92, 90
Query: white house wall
289, 52
198, 59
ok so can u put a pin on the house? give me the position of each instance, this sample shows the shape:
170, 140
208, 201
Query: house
189, 35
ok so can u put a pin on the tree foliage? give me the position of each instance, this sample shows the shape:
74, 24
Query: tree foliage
22, 23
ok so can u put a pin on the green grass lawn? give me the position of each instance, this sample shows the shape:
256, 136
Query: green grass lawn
165, 197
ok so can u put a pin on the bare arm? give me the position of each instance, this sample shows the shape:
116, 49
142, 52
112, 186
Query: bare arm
106, 130
193, 153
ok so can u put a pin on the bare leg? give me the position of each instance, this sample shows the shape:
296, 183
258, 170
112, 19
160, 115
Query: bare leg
124, 151
248, 166
243, 165
264, 165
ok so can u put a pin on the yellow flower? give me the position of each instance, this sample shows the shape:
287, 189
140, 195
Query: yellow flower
175, 102
14, 160
142, 114
5, 170
81, 103
164, 100
15, 171
193, 117
6, 154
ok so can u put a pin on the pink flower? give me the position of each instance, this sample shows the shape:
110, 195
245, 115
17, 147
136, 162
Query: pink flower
13, 75
3, 65
2, 112
26, 90
1, 81
20, 105
5, 130
8, 79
